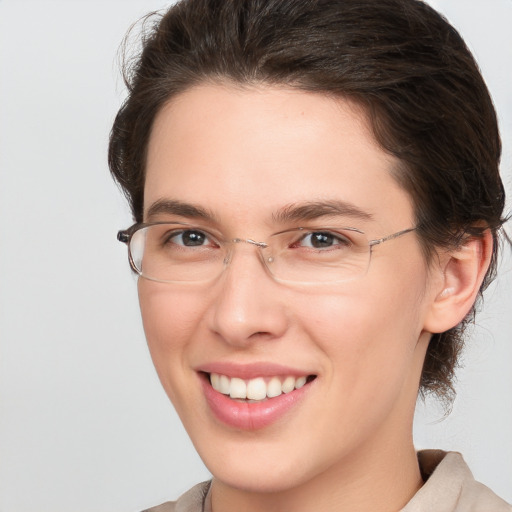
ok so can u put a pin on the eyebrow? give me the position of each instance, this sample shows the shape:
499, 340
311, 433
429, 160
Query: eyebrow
289, 213
180, 208
317, 209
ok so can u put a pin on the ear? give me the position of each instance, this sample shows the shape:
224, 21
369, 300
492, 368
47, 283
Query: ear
459, 274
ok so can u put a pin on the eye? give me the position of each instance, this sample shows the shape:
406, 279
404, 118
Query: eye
323, 240
189, 238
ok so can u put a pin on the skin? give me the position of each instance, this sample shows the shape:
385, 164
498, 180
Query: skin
244, 154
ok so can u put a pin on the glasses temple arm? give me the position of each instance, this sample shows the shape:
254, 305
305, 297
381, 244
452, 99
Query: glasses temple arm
390, 237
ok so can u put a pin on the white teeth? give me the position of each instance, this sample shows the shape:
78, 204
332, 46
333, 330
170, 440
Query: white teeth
274, 387
238, 388
223, 385
300, 382
288, 384
214, 379
255, 389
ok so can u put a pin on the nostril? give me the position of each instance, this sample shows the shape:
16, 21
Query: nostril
261, 334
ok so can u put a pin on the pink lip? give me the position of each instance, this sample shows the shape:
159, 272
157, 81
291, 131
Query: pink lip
251, 371
251, 415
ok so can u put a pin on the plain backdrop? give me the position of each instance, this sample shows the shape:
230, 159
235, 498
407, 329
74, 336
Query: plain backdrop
84, 425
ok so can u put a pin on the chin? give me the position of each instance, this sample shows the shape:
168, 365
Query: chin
257, 465
254, 480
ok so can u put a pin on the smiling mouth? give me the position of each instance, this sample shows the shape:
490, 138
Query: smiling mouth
258, 389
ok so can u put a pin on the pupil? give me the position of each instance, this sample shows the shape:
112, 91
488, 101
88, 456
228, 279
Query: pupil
321, 240
193, 238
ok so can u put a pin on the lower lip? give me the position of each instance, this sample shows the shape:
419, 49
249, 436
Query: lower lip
251, 415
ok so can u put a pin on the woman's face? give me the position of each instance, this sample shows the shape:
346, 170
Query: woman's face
243, 158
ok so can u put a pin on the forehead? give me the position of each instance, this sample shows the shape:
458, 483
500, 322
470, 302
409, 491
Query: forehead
248, 152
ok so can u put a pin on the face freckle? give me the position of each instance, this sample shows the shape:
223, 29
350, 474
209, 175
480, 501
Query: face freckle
243, 155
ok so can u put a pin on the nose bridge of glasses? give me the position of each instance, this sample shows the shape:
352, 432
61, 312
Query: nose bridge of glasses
261, 245
249, 241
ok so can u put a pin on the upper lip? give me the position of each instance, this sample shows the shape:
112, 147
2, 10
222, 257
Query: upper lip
251, 370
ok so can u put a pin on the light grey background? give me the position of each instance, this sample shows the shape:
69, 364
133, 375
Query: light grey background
84, 425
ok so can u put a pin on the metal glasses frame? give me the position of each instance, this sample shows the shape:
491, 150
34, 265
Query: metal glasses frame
125, 236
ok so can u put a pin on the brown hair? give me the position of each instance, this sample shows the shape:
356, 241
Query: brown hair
403, 62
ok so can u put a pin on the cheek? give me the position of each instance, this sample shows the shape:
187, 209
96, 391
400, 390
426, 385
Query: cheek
369, 334
170, 318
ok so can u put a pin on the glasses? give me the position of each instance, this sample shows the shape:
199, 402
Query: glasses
176, 252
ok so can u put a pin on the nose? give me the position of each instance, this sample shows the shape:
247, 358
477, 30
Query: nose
247, 304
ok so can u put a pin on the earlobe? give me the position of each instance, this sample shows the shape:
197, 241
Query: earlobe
461, 272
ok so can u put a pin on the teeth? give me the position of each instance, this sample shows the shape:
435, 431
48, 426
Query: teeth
238, 388
215, 380
300, 382
255, 389
274, 387
288, 384
223, 385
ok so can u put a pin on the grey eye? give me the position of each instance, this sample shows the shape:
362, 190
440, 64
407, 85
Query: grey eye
189, 238
323, 240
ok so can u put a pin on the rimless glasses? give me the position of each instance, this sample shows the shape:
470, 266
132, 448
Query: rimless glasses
177, 252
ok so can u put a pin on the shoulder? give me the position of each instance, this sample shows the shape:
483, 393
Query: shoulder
450, 487
192, 501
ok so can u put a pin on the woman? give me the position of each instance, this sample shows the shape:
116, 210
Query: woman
317, 202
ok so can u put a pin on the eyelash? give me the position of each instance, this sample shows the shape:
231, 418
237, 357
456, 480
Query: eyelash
337, 239
169, 238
